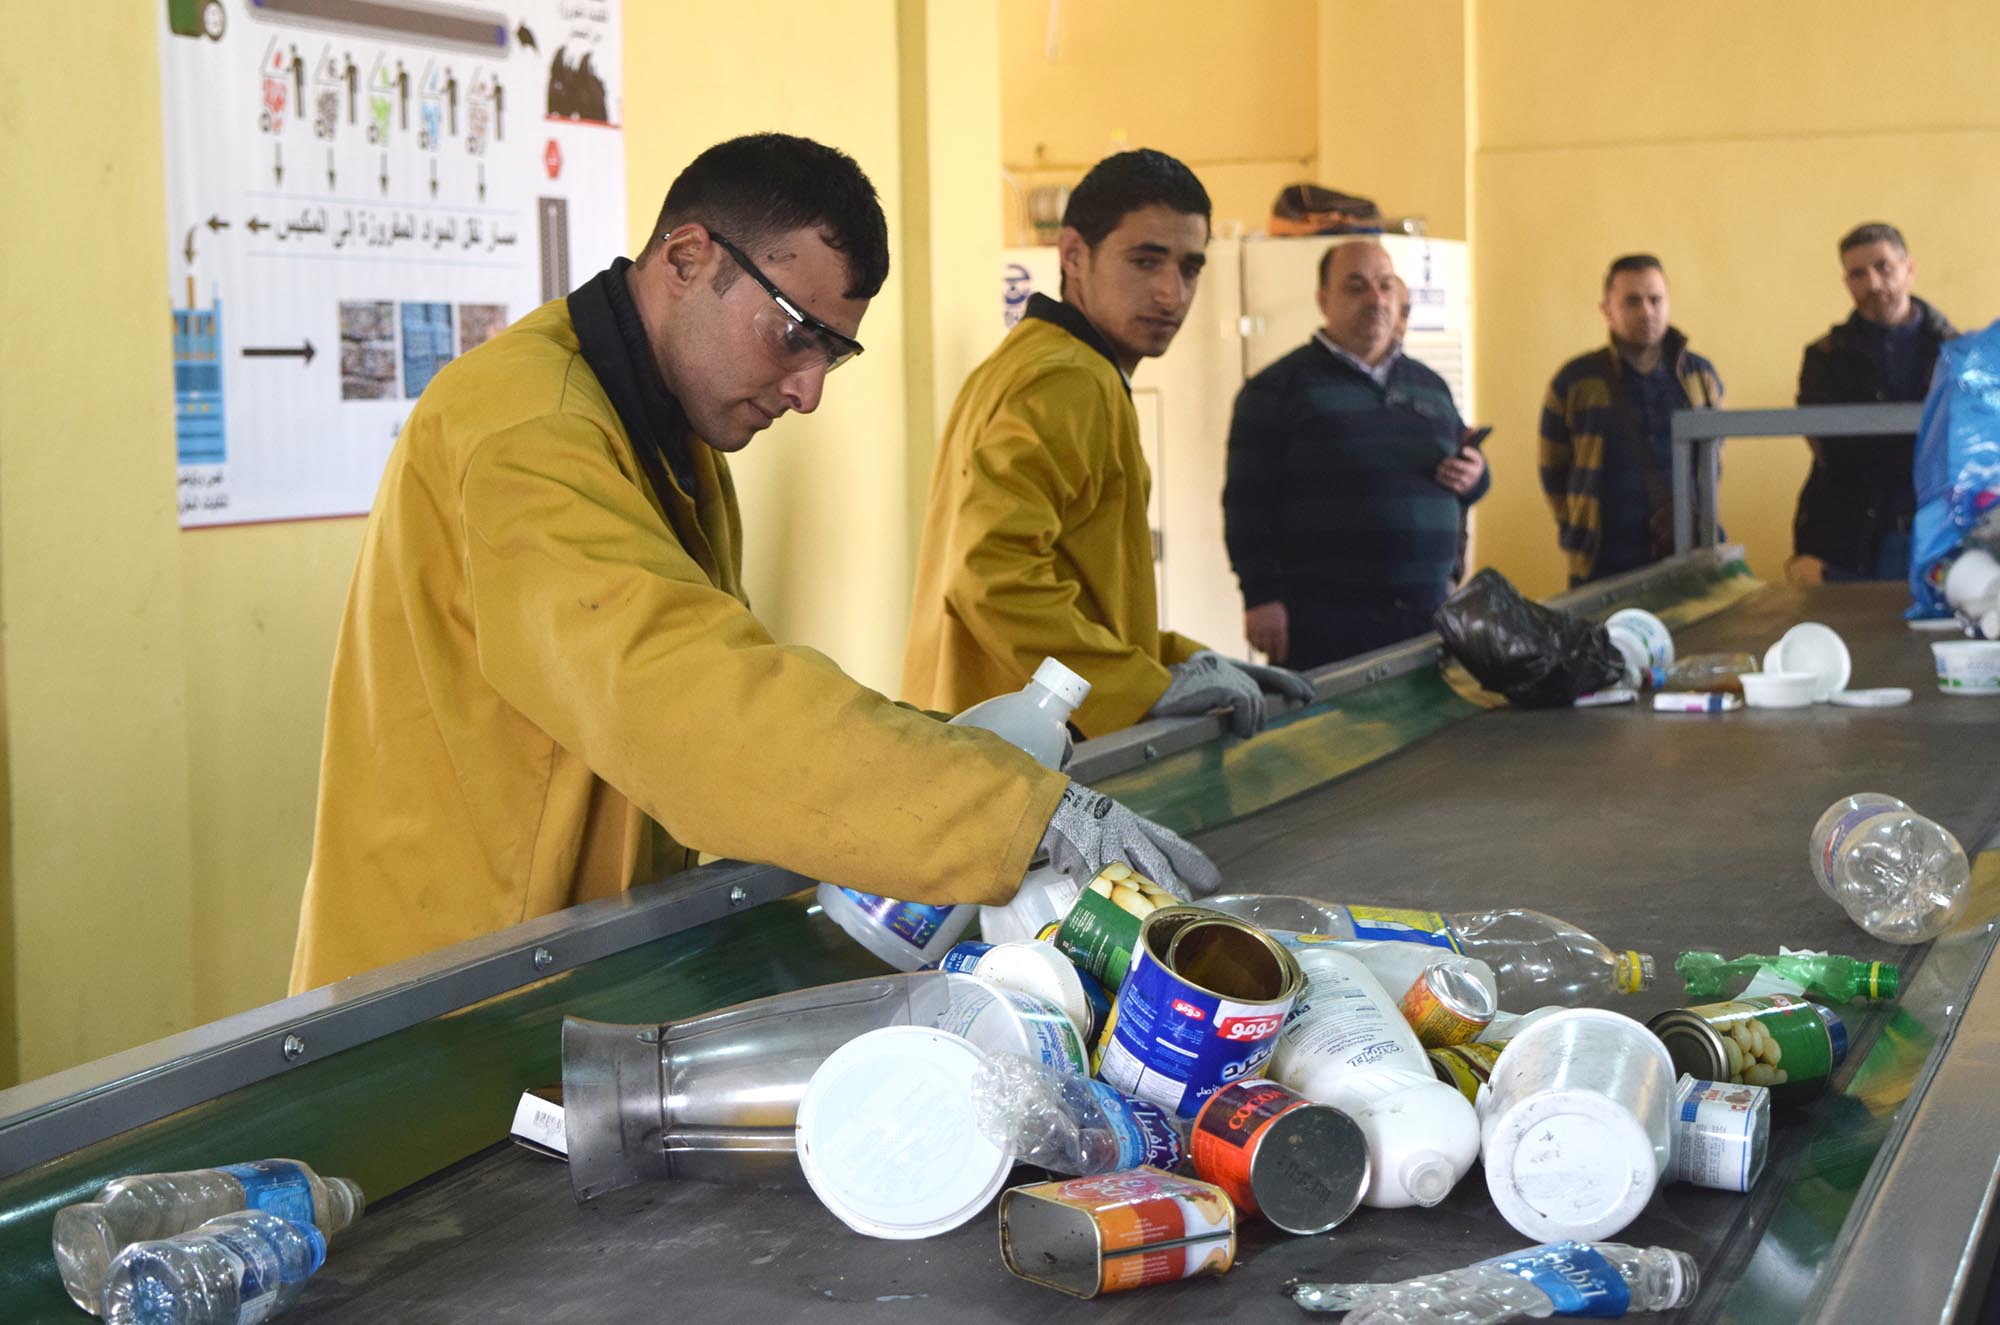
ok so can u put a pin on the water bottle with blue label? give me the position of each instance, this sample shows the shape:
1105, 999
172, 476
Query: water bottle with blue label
1069, 1124
913, 935
1600, 1279
159, 1205
238, 1269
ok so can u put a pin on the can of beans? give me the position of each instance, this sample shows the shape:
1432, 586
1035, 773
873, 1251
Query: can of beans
1467, 1066
1722, 1132
1778, 1041
1116, 1231
1101, 931
1301, 1165
1447, 1005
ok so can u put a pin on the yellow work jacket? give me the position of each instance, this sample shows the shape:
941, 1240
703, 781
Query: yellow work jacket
1036, 542
547, 687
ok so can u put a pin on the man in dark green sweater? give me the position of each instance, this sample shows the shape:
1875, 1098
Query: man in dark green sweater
1348, 475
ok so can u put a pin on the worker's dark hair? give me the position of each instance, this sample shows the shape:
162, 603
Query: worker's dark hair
1122, 184
755, 188
1874, 232
1631, 262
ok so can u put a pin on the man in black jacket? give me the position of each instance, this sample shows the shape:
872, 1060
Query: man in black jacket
1855, 510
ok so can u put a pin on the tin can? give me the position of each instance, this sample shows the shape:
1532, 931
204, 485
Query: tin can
1116, 1231
1101, 931
1467, 1066
1722, 1133
1201, 1007
1777, 1041
1301, 1165
1447, 1006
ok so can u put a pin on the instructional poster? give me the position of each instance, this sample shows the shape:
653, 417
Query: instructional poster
358, 191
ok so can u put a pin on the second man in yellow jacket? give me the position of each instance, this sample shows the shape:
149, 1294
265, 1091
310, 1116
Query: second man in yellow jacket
1036, 542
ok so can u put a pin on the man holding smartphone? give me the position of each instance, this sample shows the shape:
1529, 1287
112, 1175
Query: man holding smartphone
1349, 472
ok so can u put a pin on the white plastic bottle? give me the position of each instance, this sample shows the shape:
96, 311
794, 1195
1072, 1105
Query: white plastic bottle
913, 935
1897, 874
235, 1269
148, 1206
1348, 1045
1607, 1279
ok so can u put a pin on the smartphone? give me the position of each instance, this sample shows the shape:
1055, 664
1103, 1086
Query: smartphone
1477, 437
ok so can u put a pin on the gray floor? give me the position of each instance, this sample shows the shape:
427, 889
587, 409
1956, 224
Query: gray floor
1653, 831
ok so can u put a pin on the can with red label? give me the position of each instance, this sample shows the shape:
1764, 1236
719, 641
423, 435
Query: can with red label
1301, 1165
1115, 1231
1201, 1007
1447, 1005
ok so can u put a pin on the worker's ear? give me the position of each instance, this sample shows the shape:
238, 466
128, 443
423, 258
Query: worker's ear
685, 254
1073, 251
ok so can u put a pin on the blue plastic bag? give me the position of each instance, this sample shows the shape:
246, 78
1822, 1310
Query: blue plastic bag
1957, 471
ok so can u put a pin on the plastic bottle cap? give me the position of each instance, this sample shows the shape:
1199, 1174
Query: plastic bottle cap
1427, 1177
887, 1135
1635, 972
1066, 685
1885, 980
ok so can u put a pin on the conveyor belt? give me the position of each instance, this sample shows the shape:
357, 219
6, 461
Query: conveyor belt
1652, 830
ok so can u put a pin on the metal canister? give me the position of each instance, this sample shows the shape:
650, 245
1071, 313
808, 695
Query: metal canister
1447, 1005
1116, 1231
1201, 1007
1101, 931
1779, 1042
1722, 1133
1467, 1066
1301, 1165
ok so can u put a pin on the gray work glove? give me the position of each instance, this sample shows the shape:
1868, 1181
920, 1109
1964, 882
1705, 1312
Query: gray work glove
1089, 830
1210, 681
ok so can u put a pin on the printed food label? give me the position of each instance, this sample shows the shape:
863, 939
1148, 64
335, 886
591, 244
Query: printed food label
913, 922
1174, 1044
1136, 1212
1394, 923
276, 1186
1574, 1276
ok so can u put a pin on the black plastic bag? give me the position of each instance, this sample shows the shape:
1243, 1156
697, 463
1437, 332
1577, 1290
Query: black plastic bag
1536, 656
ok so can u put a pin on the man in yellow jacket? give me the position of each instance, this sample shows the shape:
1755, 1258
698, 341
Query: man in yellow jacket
548, 686
1036, 542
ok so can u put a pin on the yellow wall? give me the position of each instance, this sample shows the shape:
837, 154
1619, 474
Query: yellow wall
1393, 106
1738, 142
1229, 91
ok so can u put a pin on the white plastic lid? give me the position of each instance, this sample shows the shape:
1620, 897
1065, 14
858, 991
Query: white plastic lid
1066, 685
1881, 697
1569, 1164
887, 1136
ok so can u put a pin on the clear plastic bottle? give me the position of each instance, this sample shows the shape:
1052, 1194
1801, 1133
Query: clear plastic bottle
159, 1205
1898, 875
1712, 673
1536, 958
1606, 1279
1824, 975
1068, 1123
913, 935
235, 1269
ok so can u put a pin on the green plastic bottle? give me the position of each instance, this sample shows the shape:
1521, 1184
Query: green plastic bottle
1829, 976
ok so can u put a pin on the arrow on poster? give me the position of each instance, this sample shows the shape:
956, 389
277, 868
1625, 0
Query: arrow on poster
302, 352
278, 162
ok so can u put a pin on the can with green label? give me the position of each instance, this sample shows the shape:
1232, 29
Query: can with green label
1781, 1042
1466, 1066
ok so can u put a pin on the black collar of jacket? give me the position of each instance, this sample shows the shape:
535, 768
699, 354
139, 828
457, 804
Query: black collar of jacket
613, 340
1672, 346
1858, 330
1066, 316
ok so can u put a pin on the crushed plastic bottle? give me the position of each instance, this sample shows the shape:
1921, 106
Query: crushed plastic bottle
1536, 958
1898, 875
1823, 975
1706, 673
1604, 1279
913, 935
1068, 1123
146, 1206
233, 1270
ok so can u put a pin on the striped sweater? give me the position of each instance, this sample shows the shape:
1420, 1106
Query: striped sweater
1579, 416
1330, 496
